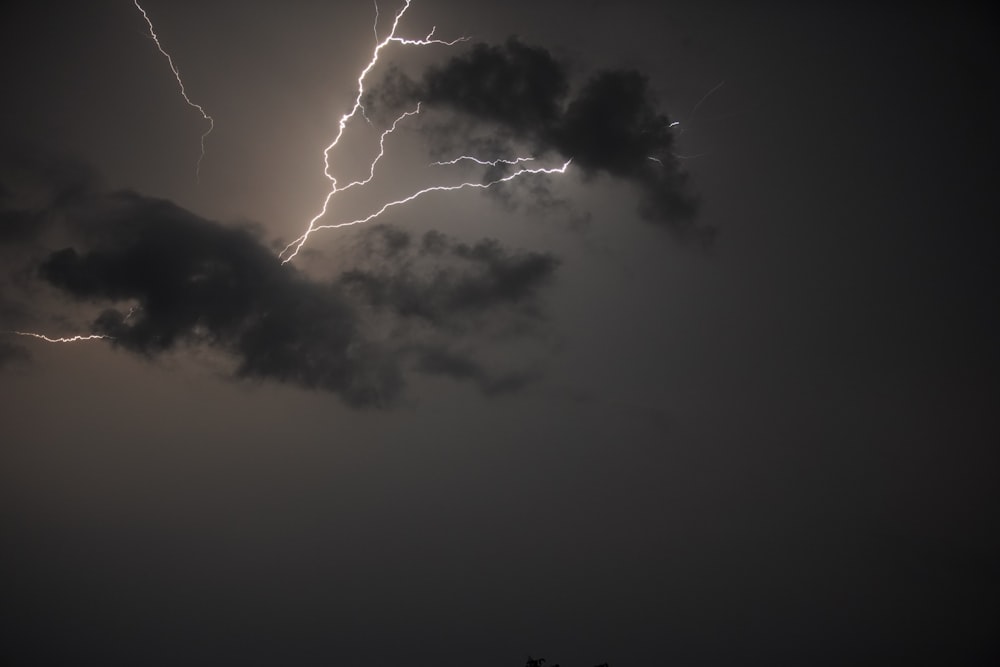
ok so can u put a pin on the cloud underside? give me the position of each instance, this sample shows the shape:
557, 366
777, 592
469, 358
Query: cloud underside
611, 124
167, 278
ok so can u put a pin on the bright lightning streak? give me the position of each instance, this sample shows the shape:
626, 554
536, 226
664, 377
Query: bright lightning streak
426, 40
68, 339
346, 118
177, 75
293, 248
342, 124
381, 152
299, 242
485, 163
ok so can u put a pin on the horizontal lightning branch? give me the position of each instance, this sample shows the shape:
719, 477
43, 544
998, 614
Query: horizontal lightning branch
299, 242
485, 163
66, 339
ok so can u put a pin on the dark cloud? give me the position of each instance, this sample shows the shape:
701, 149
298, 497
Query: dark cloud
167, 278
611, 124
465, 281
440, 294
198, 282
514, 85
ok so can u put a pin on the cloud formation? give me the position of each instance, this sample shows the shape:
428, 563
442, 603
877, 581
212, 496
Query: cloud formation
610, 124
168, 278
475, 279
441, 294
195, 281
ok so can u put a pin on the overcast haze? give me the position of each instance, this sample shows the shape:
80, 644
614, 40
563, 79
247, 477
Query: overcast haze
738, 406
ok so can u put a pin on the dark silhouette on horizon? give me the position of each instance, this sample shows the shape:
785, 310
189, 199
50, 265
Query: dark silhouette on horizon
539, 662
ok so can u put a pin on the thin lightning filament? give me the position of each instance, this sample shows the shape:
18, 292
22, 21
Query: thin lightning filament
180, 83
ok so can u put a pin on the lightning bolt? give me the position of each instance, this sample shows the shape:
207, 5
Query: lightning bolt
299, 242
293, 248
381, 152
345, 119
180, 83
491, 163
67, 339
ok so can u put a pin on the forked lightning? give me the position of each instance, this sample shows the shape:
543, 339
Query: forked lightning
293, 248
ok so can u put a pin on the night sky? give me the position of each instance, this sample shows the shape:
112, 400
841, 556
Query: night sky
735, 405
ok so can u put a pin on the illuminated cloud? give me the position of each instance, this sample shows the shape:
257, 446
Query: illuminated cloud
169, 279
610, 124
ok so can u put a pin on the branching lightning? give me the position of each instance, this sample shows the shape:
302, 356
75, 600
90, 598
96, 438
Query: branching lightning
66, 339
299, 242
342, 124
180, 83
293, 248
381, 152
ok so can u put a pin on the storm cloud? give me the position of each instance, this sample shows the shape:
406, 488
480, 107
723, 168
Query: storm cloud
461, 283
164, 278
610, 124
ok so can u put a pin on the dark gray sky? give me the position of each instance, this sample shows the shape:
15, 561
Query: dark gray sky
593, 438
